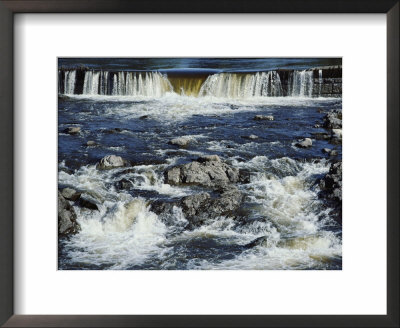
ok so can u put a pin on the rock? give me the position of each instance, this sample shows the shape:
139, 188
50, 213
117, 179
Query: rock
209, 158
113, 131
181, 141
251, 136
257, 242
263, 118
91, 143
337, 133
87, 203
73, 130
326, 150
144, 117
208, 173
110, 162
201, 207
123, 184
67, 221
333, 120
70, 194
317, 126
305, 143
321, 136
244, 176
334, 153
331, 188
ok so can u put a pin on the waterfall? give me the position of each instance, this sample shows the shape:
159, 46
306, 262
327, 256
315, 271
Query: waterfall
237, 85
69, 82
221, 85
301, 84
319, 82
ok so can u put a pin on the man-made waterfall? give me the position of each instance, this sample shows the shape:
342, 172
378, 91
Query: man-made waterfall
302, 84
235, 85
69, 82
306, 83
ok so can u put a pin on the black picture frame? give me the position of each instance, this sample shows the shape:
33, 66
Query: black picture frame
10, 7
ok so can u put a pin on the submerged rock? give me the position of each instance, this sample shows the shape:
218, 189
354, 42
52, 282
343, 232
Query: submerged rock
181, 141
91, 143
73, 130
110, 162
207, 171
71, 194
67, 223
305, 143
251, 137
263, 118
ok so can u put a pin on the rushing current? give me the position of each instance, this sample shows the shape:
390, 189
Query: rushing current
134, 114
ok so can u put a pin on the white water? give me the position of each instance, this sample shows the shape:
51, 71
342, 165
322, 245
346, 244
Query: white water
302, 84
231, 85
124, 233
69, 82
221, 85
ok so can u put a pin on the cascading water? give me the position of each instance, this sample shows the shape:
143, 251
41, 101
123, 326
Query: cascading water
301, 84
235, 85
220, 85
319, 82
69, 82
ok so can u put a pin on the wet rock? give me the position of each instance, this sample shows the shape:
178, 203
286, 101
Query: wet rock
208, 173
91, 143
110, 162
209, 158
67, 223
305, 143
244, 176
333, 120
71, 194
181, 141
201, 207
263, 118
251, 137
326, 150
73, 130
331, 188
87, 203
113, 131
321, 136
337, 133
257, 242
334, 152
123, 184
144, 117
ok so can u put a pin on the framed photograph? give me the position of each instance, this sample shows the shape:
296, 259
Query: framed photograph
209, 164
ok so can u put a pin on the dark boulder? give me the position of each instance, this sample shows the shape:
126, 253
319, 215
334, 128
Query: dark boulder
71, 194
67, 220
201, 207
207, 171
87, 203
331, 188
